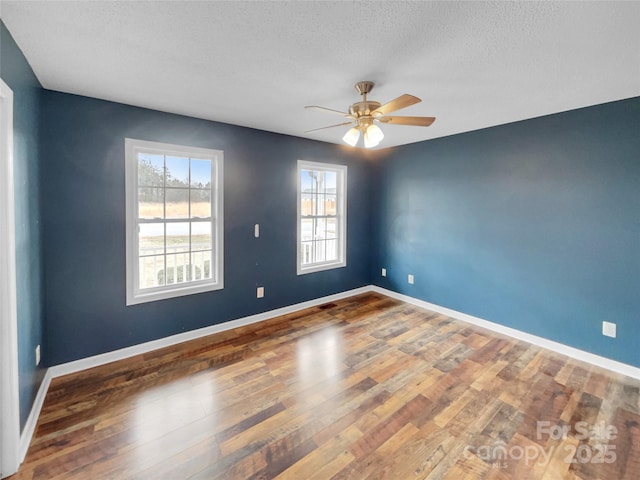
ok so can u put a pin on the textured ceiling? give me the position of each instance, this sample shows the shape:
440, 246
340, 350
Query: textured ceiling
257, 64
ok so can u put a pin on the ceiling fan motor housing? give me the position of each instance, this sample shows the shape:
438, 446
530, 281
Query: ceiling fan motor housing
363, 109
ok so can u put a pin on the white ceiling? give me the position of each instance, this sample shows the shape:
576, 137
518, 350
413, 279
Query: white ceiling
257, 64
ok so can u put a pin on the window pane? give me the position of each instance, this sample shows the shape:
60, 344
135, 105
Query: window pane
320, 182
200, 173
177, 202
151, 238
177, 237
200, 235
150, 170
308, 180
330, 205
200, 203
319, 251
151, 202
319, 232
151, 271
331, 228
177, 172
201, 265
307, 205
330, 182
319, 205
306, 232
331, 249
306, 253
178, 269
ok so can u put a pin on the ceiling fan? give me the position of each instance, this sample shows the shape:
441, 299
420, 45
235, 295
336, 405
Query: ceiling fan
367, 113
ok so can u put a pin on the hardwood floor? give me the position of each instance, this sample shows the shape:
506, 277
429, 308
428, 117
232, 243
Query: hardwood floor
364, 388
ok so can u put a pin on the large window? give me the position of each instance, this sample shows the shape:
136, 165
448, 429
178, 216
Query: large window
322, 199
174, 220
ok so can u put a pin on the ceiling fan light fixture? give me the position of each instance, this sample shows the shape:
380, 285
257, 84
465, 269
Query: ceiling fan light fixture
368, 143
352, 136
372, 136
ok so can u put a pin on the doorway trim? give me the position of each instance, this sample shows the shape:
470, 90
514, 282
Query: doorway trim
9, 401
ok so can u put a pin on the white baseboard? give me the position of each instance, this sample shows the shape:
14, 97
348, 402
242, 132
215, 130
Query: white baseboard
94, 361
104, 358
561, 348
32, 420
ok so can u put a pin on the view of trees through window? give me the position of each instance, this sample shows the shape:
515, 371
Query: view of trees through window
174, 219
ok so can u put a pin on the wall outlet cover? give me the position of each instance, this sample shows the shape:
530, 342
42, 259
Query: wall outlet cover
384, 272
260, 292
609, 329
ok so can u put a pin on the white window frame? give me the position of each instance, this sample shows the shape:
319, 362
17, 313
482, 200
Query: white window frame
341, 215
136, 295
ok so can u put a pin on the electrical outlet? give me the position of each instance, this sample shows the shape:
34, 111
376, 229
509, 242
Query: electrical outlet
260, 292
38, 355
384, 272
410, 279
256, 230
609, 329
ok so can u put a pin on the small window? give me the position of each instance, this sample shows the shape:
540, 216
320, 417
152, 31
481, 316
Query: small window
322, 233
174, 220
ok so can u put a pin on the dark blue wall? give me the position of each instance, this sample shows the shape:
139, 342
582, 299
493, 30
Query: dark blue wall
534, 225
17, 74
84, 233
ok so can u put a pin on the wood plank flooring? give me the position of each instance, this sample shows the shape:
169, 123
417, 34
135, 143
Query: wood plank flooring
363, 388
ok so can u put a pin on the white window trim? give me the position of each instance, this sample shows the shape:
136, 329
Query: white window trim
134, 294
341, 209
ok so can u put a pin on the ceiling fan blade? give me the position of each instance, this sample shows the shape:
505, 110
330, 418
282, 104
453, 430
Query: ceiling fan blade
330, 126
328, 110
403, 101
417, 121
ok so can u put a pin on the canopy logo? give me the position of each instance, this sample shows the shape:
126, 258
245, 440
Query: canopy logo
499, 453
592, 446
